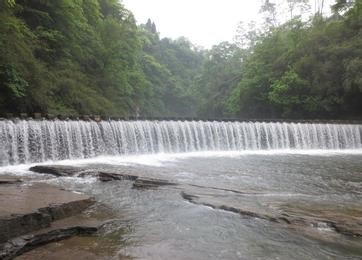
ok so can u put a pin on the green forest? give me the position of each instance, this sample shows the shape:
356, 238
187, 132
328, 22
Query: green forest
77, 57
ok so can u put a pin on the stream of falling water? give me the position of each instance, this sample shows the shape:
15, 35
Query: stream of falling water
27, 141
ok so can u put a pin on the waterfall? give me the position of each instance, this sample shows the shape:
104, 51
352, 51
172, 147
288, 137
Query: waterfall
24, 141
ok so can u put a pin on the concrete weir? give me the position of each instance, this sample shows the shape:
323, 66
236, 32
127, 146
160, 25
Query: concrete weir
29, 141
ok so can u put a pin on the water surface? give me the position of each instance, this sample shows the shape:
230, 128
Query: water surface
162, 225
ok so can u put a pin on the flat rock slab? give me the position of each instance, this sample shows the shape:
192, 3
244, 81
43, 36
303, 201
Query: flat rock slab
80, 248
69, 238
96, 218
26, 243
26, 208
59, 230
25, 199
294, 213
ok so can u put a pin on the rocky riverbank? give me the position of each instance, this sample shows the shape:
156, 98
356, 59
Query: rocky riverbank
34, 214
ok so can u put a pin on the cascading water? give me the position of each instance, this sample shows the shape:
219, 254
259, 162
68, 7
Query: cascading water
23, 141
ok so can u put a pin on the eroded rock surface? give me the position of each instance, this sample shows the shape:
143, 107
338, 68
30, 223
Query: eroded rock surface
78, 234
78, 225
110, 176
26, 208
26, 243
295, 213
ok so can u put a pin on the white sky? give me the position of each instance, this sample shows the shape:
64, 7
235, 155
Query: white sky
203, 22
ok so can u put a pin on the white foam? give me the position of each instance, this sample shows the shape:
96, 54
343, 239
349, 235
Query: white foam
160, 159
21, 169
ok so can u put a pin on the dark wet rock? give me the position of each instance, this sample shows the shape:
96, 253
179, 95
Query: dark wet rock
24, 209
72, 171
104, 176
109, 176
26, 243
95, 219
148, 183
139, 182
57, 170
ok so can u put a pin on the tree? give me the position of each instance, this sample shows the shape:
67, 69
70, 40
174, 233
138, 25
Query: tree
342, 5
268, 9
246, 36
300, 5
218, 79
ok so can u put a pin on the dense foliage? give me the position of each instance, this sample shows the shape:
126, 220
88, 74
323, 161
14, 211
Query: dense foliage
90, 57
306, 69
299, 69
170, 67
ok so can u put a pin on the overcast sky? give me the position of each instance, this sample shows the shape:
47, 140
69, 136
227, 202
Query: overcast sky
203, 22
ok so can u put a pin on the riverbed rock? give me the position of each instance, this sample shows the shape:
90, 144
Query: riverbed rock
79, 247
346, 219
110, 176
296, 214
57, 170
71, 171
27, 208
148, 183
78, 225
138, 181
26, 243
